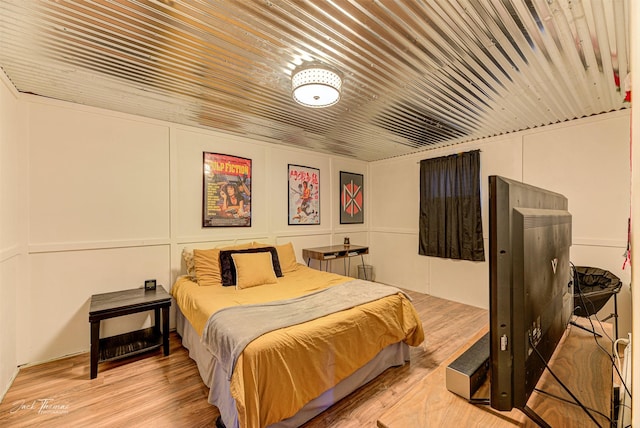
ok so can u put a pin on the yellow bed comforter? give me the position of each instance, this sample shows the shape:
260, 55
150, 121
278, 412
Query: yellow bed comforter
279, 372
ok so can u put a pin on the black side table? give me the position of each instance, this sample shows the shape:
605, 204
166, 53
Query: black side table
119, 303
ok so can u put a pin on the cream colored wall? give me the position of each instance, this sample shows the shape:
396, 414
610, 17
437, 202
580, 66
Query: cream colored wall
269, 194
586, 159
98, 220
394, 226
595, 177
114, 198
95, 180
635, 207
13, 238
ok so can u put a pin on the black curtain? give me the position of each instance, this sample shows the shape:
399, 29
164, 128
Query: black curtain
450, 216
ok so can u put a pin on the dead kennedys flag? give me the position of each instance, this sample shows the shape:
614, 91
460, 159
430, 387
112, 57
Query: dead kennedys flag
351, 198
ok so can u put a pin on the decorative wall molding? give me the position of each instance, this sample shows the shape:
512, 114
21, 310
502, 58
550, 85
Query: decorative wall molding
10, 252
95, 245
395, 230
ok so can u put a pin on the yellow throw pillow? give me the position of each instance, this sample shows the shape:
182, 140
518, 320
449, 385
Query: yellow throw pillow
253, 269
287, 257
207, 264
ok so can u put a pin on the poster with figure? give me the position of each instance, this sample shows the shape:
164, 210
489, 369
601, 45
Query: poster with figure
304, 195
351, 198
226, 191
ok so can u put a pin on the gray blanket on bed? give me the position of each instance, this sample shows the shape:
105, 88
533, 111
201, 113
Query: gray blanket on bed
229, 330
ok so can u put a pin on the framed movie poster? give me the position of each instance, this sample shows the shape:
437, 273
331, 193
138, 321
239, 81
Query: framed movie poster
351, 198
304, 195
226, 191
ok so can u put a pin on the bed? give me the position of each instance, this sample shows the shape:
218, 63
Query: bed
277, 342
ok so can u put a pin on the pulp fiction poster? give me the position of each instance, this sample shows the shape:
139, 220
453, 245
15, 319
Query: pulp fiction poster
226, 191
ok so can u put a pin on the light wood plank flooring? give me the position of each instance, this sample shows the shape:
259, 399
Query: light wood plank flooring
152, 390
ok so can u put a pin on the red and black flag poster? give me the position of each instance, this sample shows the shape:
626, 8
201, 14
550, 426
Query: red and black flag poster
351, 198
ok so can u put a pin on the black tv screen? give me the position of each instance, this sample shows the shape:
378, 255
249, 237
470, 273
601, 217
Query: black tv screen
530, 286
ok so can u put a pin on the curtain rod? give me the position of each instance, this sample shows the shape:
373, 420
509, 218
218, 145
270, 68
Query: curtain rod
454, 154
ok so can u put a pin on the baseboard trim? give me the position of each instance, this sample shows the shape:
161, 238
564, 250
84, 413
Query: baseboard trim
9, 384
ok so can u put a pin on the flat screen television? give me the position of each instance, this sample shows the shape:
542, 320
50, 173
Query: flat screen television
530, 286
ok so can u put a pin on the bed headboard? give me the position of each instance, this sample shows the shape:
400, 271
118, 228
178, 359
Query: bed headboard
186, 251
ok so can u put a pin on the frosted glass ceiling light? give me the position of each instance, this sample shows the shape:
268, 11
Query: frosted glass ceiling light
315, 85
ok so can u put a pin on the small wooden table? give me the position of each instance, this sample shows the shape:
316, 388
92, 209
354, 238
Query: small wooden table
333, 252
119, 303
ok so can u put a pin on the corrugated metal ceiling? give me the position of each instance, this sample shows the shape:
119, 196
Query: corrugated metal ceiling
418, 74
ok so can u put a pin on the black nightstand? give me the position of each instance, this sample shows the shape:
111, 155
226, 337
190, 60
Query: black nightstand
119, 303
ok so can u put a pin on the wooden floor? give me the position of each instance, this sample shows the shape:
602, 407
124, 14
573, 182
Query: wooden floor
152, 390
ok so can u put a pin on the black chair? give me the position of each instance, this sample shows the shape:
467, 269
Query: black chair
592, 289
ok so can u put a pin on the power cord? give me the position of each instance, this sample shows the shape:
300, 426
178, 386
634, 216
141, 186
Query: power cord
577, 401
611, 357
557, 397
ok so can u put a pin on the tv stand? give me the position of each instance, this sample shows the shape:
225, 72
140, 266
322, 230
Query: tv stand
578, 362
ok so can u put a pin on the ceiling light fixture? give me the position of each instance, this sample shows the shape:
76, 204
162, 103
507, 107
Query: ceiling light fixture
316, 85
